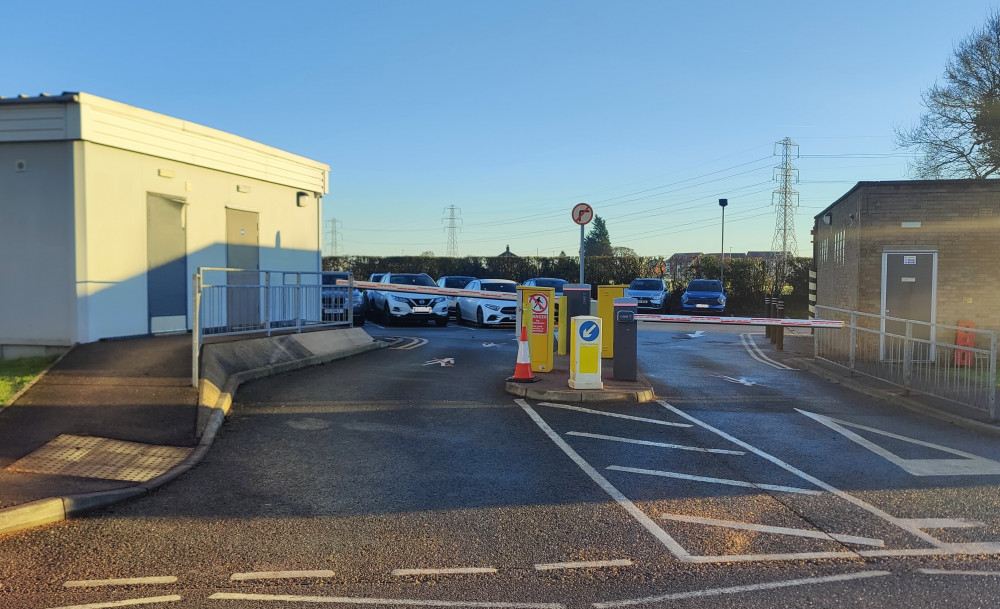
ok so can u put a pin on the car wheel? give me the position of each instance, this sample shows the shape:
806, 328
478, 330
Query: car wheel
479, 317
458, 315
359, 320
386, 316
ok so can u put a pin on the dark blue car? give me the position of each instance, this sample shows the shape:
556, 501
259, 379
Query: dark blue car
704, 296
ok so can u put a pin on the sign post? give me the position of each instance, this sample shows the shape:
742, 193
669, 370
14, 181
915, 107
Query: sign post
582, 215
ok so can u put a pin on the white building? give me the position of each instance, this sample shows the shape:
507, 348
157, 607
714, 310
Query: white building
106, 211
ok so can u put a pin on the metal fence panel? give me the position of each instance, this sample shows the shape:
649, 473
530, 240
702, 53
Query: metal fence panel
938, 366
230, 302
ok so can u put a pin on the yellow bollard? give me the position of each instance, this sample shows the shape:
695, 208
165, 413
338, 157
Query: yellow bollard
606, 295
537, 316
585, 356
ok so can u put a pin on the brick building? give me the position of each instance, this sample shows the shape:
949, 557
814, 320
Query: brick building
924, 250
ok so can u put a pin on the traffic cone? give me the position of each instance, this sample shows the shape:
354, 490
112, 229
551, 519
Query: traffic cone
522, 370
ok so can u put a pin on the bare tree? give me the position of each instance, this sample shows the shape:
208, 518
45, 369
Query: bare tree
959, 135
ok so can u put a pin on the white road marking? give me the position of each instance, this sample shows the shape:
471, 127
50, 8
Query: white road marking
945, 523
622, 562
597, 436
809, 581
662, 536
490, 345
446, 571
940, 551
444, 362
740, 381
898, 522
763, 528
759, 355
741, 483
128, 581
347, 600
968, 465
131, 602
613, 414
697, 334
279, 575
946, 572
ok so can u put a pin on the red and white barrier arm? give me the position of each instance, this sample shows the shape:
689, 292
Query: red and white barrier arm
422, 289
741, 321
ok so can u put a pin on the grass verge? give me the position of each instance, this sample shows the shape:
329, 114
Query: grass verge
16, 373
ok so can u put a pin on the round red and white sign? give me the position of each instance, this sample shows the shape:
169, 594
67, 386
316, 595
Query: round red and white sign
539, 303
582, 213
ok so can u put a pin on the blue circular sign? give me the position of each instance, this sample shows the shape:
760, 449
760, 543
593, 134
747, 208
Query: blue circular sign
589, 331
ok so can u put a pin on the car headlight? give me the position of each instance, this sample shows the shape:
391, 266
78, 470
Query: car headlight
396, 298
440, 299
684, 298
656, 299
493, 307
722, 300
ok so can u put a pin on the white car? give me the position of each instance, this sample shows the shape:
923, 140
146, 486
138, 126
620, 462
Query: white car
412, 305
488, 311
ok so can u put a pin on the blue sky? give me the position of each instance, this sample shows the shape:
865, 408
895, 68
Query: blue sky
514, 111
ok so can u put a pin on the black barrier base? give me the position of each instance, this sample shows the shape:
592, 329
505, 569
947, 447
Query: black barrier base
533, 379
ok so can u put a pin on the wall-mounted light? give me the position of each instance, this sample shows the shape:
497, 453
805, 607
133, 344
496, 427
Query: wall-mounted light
827, 218
242, 188
165, 173
302, 199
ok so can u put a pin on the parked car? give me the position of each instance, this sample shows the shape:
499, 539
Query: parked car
398, 306
704, 296
456, 282
652, 294
548, 282
488, 311
335, 299
369, 296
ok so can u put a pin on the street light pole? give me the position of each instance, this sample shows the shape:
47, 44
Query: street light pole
722, 264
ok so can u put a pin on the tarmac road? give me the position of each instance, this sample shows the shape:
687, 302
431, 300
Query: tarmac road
408, 477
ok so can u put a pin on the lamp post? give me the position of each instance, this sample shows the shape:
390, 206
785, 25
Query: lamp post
722, 264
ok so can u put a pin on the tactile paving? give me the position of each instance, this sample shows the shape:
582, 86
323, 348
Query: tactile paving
89, 457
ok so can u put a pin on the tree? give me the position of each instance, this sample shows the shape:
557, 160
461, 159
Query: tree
597, 241
959, 135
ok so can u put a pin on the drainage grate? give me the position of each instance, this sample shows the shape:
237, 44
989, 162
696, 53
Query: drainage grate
88, 457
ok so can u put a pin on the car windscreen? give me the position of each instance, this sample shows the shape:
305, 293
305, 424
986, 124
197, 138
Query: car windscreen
458, 282
551, 283
509, 288
646, 284
333, 278
705, 285
423, 280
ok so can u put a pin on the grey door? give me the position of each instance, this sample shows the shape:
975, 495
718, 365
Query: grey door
243, 252
166, 271
908, 293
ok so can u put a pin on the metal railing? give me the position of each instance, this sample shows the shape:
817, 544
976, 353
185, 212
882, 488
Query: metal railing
229, 302
955, 363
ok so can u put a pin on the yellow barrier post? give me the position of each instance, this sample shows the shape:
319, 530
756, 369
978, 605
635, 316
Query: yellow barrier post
585, 356
606, 295
538, 305
563, 326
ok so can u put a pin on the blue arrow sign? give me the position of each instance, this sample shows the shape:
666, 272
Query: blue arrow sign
589, 331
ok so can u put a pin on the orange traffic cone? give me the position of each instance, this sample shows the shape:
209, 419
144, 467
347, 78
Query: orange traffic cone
522, 370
